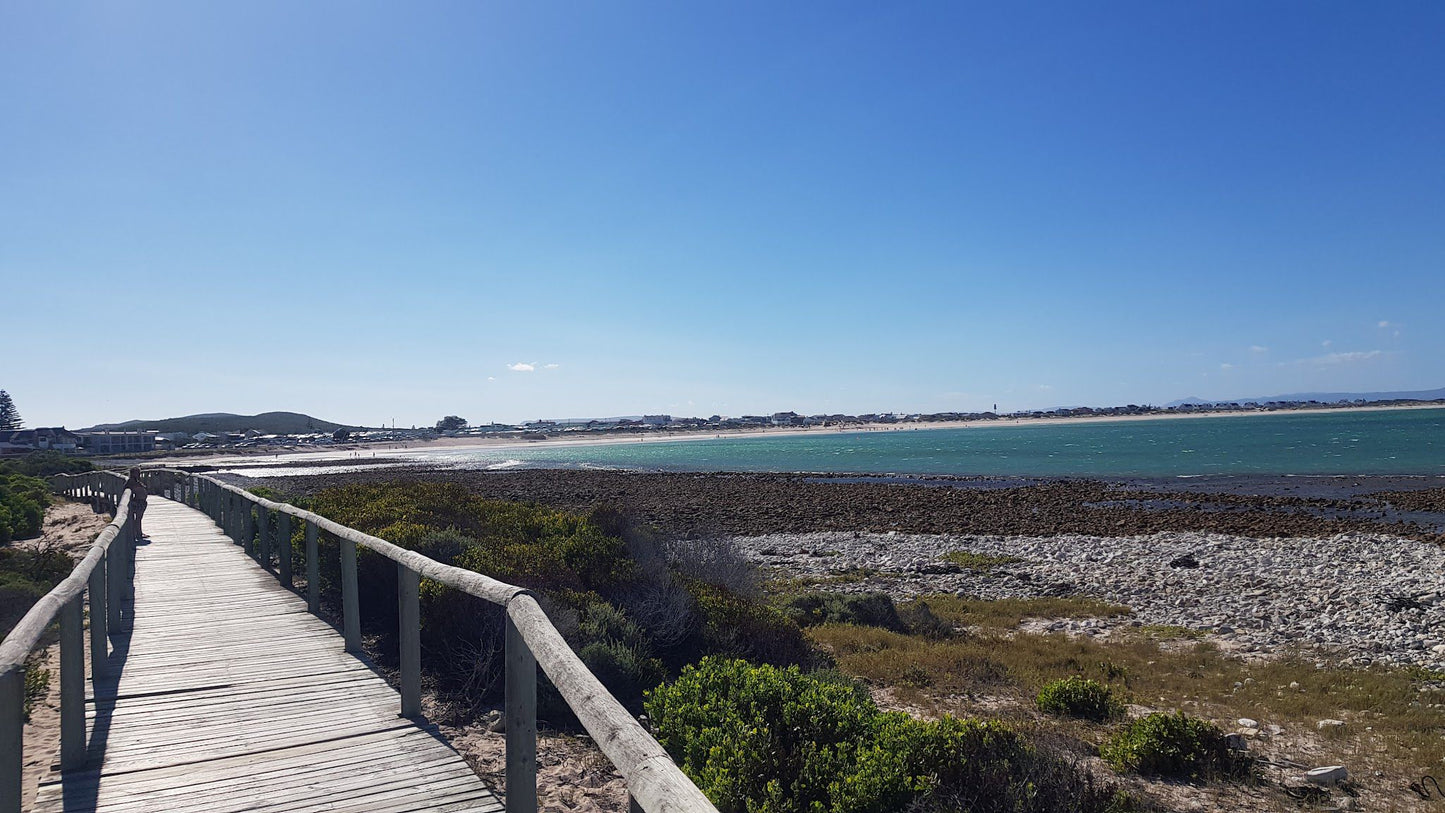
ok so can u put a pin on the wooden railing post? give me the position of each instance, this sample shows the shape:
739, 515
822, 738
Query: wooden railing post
263, 536
72, 685
128, 538
12, 738
408, 593
313, 570
521, 722
248, 529
114, 572
350, 601
95, 593
283, 548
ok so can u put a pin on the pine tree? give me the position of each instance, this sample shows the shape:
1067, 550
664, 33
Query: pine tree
9, 415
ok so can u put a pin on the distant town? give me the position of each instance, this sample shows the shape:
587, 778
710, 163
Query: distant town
140, 441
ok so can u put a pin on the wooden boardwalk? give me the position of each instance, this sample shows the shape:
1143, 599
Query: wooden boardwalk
227, 695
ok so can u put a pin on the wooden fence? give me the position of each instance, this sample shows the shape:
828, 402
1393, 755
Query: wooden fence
654, 783
104, 577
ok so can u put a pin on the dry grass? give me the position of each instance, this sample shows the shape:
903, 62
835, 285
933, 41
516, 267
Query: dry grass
1395, 723
1007, 613
779, 585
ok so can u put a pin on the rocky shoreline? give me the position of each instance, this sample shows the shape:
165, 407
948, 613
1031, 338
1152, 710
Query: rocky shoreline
734, 504
1350, 598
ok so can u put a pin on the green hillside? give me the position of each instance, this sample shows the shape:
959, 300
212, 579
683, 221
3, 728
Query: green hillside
271, 423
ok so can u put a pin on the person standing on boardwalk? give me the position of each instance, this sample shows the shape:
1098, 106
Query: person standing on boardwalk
138, 496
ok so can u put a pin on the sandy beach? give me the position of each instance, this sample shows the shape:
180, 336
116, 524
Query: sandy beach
363, 452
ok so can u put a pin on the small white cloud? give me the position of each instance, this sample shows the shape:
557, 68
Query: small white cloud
1386, 323
1046, 387
1258, 348
551, 366
491, 378
1353, 357
522, 367
1226, 366
1397, 334
1326, 343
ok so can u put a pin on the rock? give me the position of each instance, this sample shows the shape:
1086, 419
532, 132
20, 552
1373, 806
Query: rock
1186, 561
1236, 742
1326, 776
1294, 686
498, 725
1329, 724
1246, 722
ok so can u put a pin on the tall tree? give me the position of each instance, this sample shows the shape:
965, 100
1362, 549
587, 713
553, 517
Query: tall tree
9, 415
451, 423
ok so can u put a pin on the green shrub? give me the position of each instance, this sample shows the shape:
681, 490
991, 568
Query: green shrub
1172, 745
1079, 697
26, 576
920, 620
22, 506
759, 739
44, 464
734, 626
635, 618
861, 609
627, 671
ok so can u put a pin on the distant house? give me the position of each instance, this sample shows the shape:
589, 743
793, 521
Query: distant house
108, 442
24, 441
784, 418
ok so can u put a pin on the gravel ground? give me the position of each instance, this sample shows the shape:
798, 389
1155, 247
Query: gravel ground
1360, 598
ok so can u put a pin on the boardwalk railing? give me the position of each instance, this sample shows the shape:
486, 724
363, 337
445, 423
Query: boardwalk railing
654, 783
104, 577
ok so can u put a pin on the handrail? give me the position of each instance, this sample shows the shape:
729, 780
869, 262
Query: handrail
655, 784
105, 574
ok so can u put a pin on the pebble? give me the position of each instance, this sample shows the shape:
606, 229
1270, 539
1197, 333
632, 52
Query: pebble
1327, 775
1353, 598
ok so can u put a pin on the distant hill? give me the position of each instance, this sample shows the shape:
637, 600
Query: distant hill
1323, 397
270, 423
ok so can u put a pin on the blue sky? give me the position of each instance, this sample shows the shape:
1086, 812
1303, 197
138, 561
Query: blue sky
376, 212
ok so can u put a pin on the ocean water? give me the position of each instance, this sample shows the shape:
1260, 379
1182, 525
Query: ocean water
1399, 442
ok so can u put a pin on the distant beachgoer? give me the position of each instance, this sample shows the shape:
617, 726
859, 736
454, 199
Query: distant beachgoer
138, 494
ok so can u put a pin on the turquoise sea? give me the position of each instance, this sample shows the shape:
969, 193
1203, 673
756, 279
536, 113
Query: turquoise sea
1398, 442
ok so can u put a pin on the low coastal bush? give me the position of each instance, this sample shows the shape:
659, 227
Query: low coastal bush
22, 506
863, 609
44, 464
633, 608
25, 576
1172, 745
981, 562
1079, 697
868, 610
760, 739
